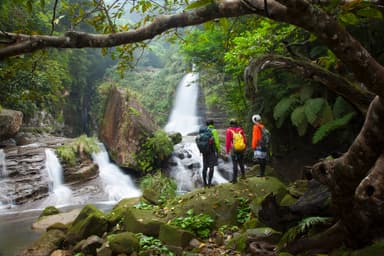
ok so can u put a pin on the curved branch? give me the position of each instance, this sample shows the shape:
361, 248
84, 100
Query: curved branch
297, 12
353, 93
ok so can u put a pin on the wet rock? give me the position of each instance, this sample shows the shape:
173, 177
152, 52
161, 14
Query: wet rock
10, 123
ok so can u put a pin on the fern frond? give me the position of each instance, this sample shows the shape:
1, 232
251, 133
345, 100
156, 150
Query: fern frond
283, 108
302, 227
327, 128
312, 108
299, 120
341, 107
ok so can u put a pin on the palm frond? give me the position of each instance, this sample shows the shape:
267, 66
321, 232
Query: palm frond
283, 108
341, 107
312, 108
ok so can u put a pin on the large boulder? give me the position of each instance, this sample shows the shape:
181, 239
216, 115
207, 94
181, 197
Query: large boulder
125, 124
10, 122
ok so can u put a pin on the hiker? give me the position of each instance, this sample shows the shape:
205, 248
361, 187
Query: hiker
235, 143
259, 150
208, 143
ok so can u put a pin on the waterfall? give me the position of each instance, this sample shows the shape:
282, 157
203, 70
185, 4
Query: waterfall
60, 194
116, 184
184, 118
187, 160
3, 166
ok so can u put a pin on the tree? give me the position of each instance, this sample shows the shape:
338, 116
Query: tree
356, 179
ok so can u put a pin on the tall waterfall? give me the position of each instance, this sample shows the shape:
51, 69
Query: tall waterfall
184, 118
116, 184
60, 194
187, 170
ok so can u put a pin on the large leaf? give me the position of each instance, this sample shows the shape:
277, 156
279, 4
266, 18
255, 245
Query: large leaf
327, 128
306, 92
313, 108
198, 4
282, 109
299, 119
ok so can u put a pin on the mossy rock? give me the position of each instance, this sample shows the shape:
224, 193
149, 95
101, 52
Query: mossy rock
142, 221
297, 188
50, 210
125, 242
119, 210
376, 248
288, 200
221, 202
90, 221
174, 236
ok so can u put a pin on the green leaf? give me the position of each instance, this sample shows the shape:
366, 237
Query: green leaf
327, 128
349, 18
341, 107
370, 12
299, 120
312, 108
198, 4
306, 92
283, 108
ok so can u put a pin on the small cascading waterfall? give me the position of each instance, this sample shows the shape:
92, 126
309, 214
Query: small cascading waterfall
116, 184
186, 168
59, 193
3, 166
5, 201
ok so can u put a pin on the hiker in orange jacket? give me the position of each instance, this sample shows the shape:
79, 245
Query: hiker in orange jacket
236, 156
259, 154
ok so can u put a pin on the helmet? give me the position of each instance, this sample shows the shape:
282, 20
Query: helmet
256, 118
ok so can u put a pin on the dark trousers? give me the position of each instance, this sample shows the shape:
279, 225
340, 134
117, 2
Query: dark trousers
237, 161
208, 165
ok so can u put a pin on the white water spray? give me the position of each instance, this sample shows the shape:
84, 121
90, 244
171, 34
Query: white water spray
184, 118
115, 183
60, 194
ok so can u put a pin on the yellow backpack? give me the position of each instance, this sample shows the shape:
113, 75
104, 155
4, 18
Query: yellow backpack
238, 141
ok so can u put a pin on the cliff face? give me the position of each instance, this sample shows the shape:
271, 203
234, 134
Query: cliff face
125, 124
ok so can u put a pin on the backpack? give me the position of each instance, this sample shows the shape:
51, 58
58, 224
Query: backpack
265, 139
238, 141
204, 140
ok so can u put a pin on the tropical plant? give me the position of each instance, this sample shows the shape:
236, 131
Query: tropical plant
200, 224
80, 147
243, 211
154, 151
162, 185
152, 246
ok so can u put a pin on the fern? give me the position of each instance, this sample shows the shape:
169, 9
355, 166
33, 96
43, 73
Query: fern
299, 120
327, 128
341, 107
283, 108
312, 108
302, 227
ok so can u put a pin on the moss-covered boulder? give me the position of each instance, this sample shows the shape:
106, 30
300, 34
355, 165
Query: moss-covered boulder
221, 202
125, 242
174, 236
47, 243
118, 212
90, 221
49, 210
142, 221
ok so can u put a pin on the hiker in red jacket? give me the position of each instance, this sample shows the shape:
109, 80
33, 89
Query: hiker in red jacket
237, 155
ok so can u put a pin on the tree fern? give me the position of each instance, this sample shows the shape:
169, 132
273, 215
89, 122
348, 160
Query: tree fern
312, 108
283, 108
299, 119
327, 128
302, 227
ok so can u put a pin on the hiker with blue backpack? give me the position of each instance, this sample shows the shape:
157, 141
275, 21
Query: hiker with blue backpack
209, 146
260, 143
236, 143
